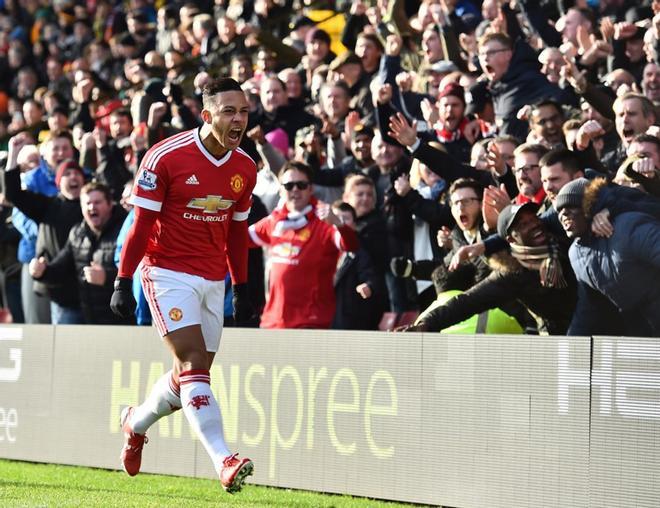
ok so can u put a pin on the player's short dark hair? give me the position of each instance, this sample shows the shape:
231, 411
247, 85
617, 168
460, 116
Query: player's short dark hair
97, 186
297, 166
569, 161
467, 183
219, 85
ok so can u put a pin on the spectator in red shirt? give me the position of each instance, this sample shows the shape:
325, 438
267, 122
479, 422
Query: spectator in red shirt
305, 239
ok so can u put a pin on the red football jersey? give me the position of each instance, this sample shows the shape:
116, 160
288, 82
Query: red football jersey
303, 261
197, 195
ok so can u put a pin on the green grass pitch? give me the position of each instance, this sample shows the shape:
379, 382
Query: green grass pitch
24, 484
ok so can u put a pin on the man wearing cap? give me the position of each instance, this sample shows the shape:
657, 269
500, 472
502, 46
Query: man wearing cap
536, 273
56, 215
317, 52
480, 105
348, 67
299, 27
611, 296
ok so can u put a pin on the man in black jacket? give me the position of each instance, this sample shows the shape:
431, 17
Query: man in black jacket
114, 153
55, 216
515, 81
87, 259
537, 274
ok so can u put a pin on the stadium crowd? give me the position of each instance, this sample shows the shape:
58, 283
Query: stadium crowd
489, 163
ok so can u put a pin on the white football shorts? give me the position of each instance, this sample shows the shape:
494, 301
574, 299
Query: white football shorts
179, 299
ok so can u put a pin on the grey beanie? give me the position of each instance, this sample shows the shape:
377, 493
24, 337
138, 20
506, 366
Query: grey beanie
571, 194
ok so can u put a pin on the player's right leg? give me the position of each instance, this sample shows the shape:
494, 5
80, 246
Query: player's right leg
174, 293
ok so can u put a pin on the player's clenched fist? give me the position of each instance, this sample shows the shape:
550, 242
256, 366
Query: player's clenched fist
122, 302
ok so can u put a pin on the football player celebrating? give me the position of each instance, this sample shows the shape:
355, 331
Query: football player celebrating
192, 196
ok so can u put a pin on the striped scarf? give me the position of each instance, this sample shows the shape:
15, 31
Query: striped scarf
545, 259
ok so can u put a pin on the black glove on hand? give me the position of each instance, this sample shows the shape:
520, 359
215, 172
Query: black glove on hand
122, 302
401, 267
244, 314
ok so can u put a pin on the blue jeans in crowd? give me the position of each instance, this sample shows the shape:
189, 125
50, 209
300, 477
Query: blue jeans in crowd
65, 315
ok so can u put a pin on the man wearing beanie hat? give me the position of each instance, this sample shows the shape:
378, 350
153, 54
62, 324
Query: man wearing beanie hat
571, 196
611, 296
55, 216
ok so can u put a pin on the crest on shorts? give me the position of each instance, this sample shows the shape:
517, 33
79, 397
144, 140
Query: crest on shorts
175, 314
147, 180
237, 183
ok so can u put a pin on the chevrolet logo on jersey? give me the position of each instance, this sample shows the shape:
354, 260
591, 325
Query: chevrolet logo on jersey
210, 204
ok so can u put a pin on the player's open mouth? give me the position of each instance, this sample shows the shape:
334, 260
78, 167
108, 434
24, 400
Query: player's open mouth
234, 135
628, 133
464, 219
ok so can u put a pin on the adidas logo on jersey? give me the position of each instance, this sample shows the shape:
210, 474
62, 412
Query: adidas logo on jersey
192, 180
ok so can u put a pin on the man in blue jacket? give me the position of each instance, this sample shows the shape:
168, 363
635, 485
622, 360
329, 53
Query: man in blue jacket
610, 272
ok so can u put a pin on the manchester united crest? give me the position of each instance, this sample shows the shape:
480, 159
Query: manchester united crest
237, 183
303, 234
175, 314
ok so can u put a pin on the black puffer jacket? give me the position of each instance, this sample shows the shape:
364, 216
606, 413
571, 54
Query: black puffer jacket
83, 247
508, 283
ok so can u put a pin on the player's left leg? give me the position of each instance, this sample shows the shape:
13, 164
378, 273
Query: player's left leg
233, 470
200, 406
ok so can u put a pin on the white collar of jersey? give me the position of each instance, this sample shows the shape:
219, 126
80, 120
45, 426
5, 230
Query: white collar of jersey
216, 162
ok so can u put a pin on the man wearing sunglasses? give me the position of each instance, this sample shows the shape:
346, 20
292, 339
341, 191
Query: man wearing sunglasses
305, 239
